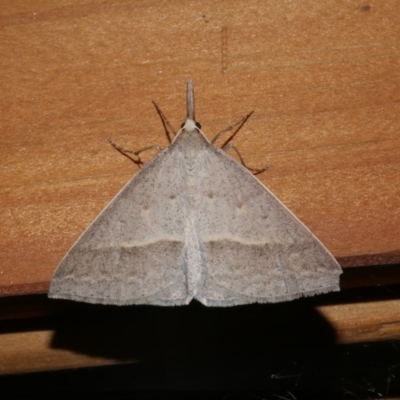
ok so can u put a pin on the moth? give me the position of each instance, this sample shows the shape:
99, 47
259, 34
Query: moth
193, 223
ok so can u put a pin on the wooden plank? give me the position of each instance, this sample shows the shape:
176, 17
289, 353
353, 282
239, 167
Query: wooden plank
364, 322
324, 84
31, 352
88, 335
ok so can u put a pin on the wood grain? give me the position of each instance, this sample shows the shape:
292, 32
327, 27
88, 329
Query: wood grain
322, 78
78, 334
323, 81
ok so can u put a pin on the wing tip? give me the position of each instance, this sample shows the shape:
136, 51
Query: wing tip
246, 300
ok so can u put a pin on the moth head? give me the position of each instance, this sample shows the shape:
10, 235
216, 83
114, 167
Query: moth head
190, 125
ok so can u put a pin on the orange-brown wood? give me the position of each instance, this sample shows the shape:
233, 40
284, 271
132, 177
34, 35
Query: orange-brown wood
322, 79
86, 335
31, 351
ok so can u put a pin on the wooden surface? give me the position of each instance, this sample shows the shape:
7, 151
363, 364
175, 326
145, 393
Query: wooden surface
322, 78
68, 335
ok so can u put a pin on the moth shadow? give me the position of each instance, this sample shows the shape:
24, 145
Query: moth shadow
140, 333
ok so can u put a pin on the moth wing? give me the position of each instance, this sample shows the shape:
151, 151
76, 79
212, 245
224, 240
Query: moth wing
253, 248
134, 251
